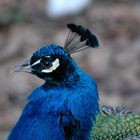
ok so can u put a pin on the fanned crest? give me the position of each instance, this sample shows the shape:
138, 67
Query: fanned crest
79, 38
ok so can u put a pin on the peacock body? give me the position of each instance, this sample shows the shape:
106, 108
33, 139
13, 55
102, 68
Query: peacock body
66, 106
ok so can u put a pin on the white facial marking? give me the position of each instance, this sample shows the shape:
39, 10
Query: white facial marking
37, 62
54, 66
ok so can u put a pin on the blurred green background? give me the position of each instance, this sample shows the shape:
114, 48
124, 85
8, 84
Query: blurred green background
26, 25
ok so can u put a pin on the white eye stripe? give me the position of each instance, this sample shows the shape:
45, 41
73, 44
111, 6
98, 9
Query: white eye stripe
37, 62
54, 66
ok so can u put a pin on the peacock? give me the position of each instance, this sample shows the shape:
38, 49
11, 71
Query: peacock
66, 106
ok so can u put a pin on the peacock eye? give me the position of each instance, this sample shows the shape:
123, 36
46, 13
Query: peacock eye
45, 64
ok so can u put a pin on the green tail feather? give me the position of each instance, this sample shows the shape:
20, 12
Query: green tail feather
109, 127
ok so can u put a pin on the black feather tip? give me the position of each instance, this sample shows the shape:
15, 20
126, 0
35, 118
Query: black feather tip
85, 35
79, 38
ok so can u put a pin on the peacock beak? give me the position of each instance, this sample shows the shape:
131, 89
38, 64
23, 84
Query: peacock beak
24, 67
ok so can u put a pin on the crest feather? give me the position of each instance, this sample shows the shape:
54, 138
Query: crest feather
79, 38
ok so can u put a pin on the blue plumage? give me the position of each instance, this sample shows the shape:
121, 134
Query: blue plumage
65, 106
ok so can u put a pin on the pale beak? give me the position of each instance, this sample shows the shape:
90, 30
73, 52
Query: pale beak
24, 67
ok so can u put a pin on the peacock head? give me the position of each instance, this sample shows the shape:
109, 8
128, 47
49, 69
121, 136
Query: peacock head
53, 63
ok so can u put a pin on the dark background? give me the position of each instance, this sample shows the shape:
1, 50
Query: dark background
25, 26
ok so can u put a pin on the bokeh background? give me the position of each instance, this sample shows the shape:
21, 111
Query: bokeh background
26, 25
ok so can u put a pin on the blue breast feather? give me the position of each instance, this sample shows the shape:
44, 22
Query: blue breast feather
52, 111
